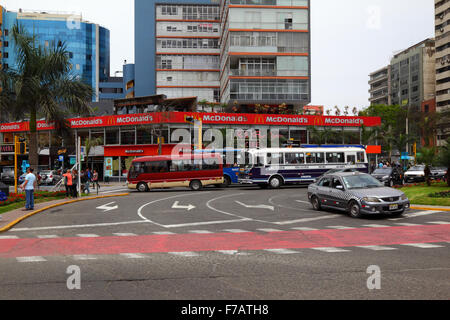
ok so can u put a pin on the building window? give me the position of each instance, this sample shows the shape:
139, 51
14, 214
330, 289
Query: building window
6, 32
169, 10
6, 44
166, 64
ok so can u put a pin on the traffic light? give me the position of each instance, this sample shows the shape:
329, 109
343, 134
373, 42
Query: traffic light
21, 147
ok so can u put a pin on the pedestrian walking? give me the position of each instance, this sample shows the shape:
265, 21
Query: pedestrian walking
29, 186
95, 180
74, 184
88, 180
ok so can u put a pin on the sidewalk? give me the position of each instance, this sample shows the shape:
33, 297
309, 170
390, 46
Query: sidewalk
11, 218
427, 207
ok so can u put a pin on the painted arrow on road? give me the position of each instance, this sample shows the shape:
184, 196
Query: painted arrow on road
106, 207
176, 205
261, 206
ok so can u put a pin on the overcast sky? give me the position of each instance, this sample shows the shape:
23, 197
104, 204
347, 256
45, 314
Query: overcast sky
350, 38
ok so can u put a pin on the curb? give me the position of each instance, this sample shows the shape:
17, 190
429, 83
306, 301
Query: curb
430, 209
12, 224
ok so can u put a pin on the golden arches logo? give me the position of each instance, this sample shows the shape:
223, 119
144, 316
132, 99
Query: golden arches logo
259, 119
111, 121
319, 121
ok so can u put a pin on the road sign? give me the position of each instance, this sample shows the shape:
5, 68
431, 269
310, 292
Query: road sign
61, 158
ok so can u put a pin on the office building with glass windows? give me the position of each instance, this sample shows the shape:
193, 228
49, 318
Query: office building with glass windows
87, 43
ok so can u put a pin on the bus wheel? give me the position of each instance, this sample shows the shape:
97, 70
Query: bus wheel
142, 187
276, 183
196, 185
226, 182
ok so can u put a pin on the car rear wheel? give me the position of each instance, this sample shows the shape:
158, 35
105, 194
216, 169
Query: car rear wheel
316, 203
142, 187
354, 210
196, 185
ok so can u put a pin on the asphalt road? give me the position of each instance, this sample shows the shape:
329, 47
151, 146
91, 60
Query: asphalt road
231, 244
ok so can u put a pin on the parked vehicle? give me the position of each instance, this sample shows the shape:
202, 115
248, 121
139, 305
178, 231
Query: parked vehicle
49, 177
357, 194
415, 174
193, 171
389, 176
7, 175
276, 167
438, 173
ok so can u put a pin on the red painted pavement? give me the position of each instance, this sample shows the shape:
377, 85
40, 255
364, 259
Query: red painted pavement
224, 241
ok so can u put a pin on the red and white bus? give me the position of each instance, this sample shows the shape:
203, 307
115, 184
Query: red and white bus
160, 172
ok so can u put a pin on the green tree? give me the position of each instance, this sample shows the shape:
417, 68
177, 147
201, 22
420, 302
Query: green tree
444, 158
42, 86
321, 137
428, 157
91, 144
393, 116
203, 104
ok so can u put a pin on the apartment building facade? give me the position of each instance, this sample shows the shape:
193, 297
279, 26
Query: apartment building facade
380, 86
442, 30
88, 44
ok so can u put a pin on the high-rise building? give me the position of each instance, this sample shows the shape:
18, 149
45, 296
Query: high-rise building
87, 43
265, 52
442, 27
380, 86
241, 52
413, 75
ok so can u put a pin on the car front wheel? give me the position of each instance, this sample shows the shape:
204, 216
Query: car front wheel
355, 210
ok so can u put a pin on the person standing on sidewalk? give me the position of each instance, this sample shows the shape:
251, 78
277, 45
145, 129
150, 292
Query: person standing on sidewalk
29, 186
95, 180
74, 184
68, 182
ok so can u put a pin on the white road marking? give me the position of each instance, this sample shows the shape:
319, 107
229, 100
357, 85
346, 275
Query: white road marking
423, 245
305, 229
281, 251
233, 253
48, 237
133, 255
334, 216
125, 234
185, 254
377, 248
30, 259
163, 233
108, 207
407, 224
197, 224
80, 226
439, 222
260, 206
88, 235
83, 257
331, 250
340, 227
269, 230
200, 232
189, 207
300, 201
375, 226
236, 231
113, 191
8, 237
421, 213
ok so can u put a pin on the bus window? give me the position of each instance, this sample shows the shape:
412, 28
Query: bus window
335, 157
294, 158
315, 157
361, 157
351, 158
177, 166
275, 158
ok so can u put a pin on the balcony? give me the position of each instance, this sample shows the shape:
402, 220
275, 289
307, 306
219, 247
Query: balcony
253, 73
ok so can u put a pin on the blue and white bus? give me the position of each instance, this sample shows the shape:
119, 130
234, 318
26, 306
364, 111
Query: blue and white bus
233, 161
277, 167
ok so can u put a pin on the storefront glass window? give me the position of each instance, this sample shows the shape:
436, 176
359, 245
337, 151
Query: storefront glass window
144, 136
127, 137
112, 136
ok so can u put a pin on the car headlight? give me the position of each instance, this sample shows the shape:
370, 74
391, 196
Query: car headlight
371, 199
404, 197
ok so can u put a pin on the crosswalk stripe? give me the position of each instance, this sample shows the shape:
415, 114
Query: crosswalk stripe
30, 259
269, 230
305, 229
281, 251
8, 237
331, 250
200, 232
184, 254
377, 248
423, 245
163, 233
340, 227
48, 237
125, 234
439, 222
375, 226
236, 231
133, 255
88, 235
421, 213
83, 257
233, 253
407, 224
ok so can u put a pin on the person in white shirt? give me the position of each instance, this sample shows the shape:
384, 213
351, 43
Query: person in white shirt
29, 186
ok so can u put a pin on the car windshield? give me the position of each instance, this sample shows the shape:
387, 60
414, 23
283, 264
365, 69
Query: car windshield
382, 171
417, 168
361, 182
438, 169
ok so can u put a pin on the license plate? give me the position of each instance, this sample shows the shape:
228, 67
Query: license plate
393, 207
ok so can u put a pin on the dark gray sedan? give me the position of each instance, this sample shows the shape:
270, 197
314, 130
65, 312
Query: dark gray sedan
357, 194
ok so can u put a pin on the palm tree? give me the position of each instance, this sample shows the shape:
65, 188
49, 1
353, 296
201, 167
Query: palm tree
321, 137
42, 86
401, 140
368, 135
89, 145
427, 156
444, 159
337, 111
203, 103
